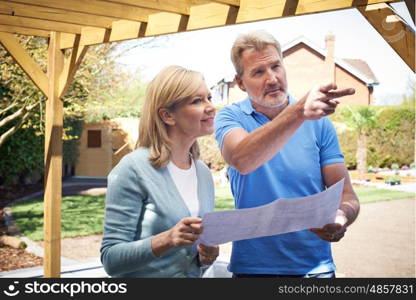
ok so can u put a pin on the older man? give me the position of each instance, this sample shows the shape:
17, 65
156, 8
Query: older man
278, 147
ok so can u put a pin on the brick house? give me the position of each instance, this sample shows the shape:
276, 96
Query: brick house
306, 65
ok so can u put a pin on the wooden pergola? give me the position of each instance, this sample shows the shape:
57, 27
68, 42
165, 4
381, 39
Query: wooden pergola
77, 24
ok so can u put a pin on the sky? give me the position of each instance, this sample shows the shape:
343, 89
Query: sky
208, 50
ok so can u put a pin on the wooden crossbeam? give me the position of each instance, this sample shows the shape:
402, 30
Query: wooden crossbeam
53, 14
162, 23
24, 31
121, 30
212, 14
393, 29
25, 61
178, 6
71, 65
53, 163
40, 24
229, 2
125, 30
253, 10
96, 7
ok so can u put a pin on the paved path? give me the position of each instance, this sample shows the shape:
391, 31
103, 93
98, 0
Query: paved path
381, 243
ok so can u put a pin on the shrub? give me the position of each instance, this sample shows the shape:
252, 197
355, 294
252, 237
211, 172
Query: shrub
391, 141
210, 153
21, 155
394, 167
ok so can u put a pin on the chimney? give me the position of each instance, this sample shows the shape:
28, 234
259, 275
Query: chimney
329, 58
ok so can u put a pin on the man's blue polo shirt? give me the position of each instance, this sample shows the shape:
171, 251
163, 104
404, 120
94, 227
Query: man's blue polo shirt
293, 172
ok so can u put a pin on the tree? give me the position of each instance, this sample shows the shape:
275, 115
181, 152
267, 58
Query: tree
20, 98
361, 120
22, 107
99, 85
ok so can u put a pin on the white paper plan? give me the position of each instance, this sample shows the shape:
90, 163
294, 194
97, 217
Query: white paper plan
280, 216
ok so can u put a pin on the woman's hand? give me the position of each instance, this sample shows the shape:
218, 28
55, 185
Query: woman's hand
208, 254
185, 232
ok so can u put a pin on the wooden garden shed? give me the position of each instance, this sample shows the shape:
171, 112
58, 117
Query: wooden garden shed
77, 24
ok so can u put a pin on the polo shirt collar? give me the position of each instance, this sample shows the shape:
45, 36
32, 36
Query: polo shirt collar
246, 106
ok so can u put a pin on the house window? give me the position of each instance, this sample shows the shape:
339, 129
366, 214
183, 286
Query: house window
94, 138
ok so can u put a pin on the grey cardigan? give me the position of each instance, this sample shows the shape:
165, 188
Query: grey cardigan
143, 201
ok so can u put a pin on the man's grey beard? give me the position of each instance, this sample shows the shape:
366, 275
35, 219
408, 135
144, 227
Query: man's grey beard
265, 105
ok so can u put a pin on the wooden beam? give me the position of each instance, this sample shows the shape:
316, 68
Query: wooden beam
125, 30
96, 7
24, 31
71, 65
121, 30
410, 4
178, 6
67, 40
40, 24
253, 10
53, 14
393, 29
229, 2
210, 15
162, 23
93, 35
53, 163
31, 68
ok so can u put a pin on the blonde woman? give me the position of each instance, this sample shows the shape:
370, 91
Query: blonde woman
157, 194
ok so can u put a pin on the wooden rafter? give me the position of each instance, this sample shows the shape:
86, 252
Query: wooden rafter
178, 6
393, 29
24, 31
96, 8
121, 30
53, 14
101, 21
25, 61
253, 10
31, 23
229, 2
71, 65
211, 14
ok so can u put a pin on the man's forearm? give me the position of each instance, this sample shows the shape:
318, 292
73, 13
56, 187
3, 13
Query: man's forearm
265, 142
351, 207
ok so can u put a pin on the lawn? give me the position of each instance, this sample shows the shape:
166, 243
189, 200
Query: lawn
84, 215
224, 199
81, 215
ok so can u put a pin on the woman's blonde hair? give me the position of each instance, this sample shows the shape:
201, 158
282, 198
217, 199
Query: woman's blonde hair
169, 88
257, 40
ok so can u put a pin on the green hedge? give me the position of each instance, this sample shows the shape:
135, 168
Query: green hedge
391, 141
22, 155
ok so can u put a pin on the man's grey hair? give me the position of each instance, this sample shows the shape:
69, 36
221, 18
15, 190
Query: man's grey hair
257, 40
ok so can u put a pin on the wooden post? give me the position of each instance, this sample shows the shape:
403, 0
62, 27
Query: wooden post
53, 162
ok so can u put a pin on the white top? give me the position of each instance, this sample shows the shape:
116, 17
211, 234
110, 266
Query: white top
187, 185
